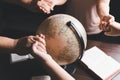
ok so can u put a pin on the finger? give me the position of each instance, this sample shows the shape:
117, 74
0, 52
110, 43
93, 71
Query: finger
34, 48
112, 19
51, 4
44, 7
42, 36
37, 48
108, 29
31, 38
105, 18
30, 41
45, 10
109, 18
52, 7
102, 25
41, 39
40, 5
42, 45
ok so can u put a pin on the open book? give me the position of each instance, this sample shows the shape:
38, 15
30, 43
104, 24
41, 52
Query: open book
104, 66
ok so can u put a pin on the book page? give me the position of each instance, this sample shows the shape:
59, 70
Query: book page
100, 63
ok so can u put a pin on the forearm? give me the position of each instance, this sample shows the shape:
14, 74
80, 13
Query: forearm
56, 71
103, 8
7, 44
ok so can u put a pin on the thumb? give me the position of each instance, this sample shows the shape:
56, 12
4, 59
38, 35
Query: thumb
34, 47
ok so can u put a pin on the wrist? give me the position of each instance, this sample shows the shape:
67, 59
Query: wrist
47, 59
44, 57
14, 45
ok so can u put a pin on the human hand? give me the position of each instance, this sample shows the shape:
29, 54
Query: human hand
114, 29
24, 45
39, 49
46, 5
110, 26
37, 5
105, 22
